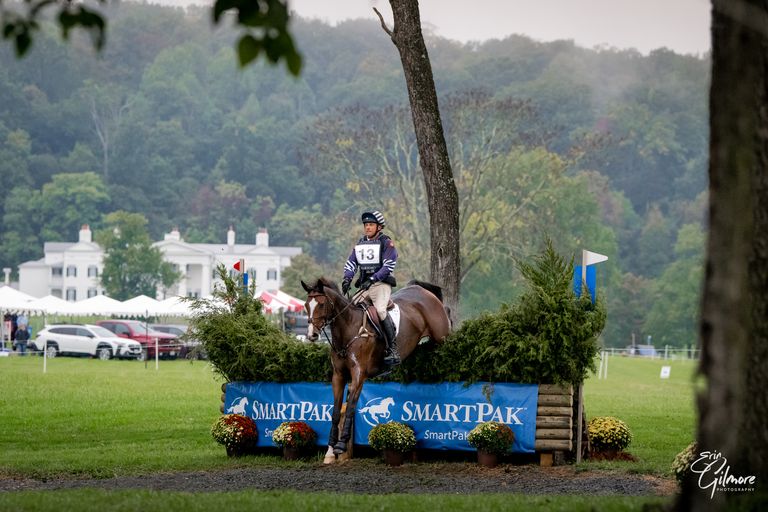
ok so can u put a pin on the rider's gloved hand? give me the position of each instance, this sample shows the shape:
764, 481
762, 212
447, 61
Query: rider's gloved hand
367, 284
345, 285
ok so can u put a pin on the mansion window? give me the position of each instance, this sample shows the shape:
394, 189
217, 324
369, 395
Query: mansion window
71, 271
72, 294
272, 275
92, 292
93, 271
57, 271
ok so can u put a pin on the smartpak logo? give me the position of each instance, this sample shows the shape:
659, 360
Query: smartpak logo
291, 411
460, 413
377, 409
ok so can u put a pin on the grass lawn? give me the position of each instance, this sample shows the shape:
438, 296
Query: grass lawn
111, 418
659, 412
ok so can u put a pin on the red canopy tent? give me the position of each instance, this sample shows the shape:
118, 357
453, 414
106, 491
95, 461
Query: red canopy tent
275, 301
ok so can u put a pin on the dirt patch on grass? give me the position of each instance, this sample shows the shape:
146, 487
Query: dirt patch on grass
371, 476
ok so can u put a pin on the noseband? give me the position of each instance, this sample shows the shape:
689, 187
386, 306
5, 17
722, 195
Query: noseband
317, 297
322, 299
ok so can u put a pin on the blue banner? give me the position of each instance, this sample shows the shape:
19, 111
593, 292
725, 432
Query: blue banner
442, 415
591, 281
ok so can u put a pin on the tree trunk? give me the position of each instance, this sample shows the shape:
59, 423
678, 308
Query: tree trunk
734, 318
442, 196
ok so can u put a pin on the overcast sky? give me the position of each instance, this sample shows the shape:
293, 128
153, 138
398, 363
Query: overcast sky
680, 25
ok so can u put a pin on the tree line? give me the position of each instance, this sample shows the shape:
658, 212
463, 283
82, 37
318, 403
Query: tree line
598, 149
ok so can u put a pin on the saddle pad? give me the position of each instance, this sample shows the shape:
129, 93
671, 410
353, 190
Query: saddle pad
394, 313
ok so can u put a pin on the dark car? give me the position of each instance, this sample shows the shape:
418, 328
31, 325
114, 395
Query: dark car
168, 345
296, 323
190, 349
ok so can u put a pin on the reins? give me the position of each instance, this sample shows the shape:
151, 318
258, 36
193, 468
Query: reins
343, 351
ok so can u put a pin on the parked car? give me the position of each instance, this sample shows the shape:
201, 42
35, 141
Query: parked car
84, 340
296, 324
190, 349
168, 344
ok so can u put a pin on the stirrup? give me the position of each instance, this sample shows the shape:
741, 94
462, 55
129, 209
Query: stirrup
392, 358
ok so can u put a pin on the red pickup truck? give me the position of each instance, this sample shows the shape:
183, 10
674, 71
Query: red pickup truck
168, 344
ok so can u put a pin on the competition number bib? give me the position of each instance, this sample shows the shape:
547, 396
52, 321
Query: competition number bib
368, 254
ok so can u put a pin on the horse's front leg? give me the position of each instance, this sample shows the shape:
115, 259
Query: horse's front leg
355, 387
337, 384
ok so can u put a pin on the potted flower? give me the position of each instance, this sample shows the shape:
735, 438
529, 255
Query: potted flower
491, 439
681, 466
608, 436
393, 439
236, 432
294, 437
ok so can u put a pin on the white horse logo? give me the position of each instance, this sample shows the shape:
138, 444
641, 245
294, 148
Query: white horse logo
377, 409
238, 406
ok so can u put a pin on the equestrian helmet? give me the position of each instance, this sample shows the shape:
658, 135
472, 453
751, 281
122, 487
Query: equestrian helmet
374, 216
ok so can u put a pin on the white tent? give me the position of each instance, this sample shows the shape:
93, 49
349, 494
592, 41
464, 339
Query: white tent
53, 305
142, 306
174, 306
99, 305
14, 302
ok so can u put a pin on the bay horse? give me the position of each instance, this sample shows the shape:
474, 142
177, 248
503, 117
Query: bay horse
356, 354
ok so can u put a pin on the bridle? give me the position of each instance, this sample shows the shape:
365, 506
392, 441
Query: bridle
320, 302
326, 300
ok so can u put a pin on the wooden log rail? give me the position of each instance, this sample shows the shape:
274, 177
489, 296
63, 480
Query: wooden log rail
554, 423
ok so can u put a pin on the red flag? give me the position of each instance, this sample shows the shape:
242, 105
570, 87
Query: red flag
236, 266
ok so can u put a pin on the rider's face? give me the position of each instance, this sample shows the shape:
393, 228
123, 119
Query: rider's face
370, 229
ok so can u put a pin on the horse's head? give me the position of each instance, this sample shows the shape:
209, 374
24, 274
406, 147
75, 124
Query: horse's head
323, 298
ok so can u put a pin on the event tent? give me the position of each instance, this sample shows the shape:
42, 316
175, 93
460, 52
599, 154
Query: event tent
142, 306
53, 305
273, 304
175, 306
99, 305
12, 302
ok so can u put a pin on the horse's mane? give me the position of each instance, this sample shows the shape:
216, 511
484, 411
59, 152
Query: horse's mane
324, 282
436, 290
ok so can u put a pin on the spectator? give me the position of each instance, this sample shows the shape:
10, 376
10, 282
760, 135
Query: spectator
22, 337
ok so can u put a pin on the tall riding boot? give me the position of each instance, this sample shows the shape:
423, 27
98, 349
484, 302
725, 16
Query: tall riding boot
388, 327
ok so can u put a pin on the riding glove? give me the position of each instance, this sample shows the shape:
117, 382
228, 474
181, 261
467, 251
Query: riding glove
366, 284
345, 286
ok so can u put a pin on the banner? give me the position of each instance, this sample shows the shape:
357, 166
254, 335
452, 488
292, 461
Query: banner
441, 415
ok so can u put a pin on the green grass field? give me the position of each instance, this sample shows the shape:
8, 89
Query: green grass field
112, 418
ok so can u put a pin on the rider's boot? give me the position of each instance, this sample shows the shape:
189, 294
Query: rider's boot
388, 327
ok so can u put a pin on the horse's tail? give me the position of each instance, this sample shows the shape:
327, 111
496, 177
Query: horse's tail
436, 290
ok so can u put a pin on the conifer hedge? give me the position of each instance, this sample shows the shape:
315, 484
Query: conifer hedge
548, 336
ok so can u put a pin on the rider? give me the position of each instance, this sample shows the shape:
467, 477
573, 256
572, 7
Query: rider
375, 255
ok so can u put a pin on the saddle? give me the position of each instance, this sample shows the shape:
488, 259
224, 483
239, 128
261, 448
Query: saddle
373, 315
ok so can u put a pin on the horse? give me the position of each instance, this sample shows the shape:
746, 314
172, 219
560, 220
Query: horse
356, 354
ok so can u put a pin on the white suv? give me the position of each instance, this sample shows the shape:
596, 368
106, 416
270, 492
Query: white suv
90, 340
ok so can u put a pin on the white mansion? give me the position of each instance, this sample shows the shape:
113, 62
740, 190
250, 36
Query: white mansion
71, 270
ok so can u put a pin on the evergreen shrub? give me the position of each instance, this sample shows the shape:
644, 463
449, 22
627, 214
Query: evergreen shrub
548, 336
243, 345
